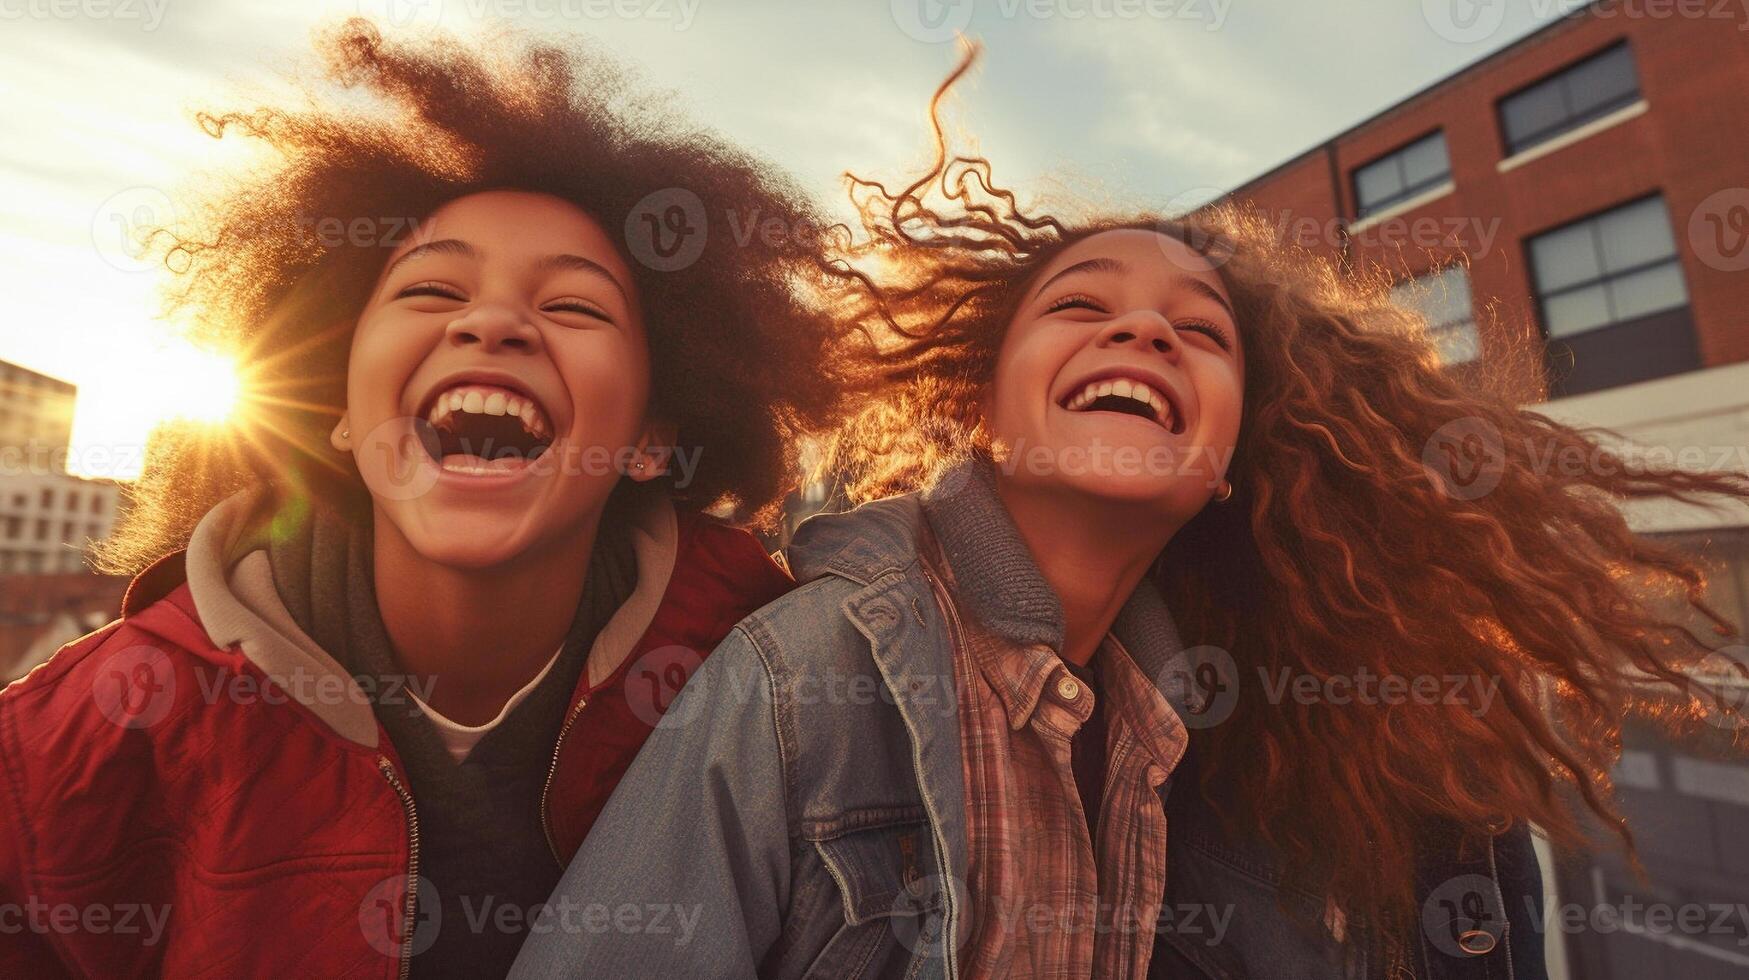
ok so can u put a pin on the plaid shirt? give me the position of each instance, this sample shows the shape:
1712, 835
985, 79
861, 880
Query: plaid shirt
1043, 905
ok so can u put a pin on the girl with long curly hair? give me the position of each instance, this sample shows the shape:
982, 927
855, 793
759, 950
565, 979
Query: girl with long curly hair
399, 633
1080, 692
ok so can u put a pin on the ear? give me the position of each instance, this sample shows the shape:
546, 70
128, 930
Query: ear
341, 437
655, 451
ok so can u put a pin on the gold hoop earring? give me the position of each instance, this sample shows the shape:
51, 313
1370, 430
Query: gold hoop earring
1225, 493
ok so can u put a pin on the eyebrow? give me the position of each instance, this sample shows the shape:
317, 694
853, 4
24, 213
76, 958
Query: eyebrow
578, 263
455, 246
447, 246
1105, 264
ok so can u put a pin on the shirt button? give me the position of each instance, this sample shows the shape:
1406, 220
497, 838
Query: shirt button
1068, 688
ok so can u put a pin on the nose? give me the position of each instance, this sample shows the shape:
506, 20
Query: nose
494, 328
1142, 330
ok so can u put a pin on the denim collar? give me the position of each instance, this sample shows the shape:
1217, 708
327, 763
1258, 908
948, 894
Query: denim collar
1000, 584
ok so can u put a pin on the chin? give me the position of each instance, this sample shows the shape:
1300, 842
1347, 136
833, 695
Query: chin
466, 540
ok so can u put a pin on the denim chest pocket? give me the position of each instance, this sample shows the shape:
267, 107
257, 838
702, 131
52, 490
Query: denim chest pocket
887, 882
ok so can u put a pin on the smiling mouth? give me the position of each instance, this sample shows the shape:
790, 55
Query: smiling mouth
484, 428
1126, 396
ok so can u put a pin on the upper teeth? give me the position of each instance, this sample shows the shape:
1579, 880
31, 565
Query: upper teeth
480, 399
1122, 388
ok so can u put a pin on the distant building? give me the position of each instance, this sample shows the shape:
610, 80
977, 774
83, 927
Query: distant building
49, 520
1588, 183
48, 517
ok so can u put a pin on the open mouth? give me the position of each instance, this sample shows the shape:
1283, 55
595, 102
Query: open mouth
484, 428
1126, 396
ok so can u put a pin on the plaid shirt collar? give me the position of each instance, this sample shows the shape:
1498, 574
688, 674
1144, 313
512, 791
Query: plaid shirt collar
999, 585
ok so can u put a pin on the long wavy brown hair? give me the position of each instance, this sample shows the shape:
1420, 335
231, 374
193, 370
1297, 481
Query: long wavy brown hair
1352, 542
275, 260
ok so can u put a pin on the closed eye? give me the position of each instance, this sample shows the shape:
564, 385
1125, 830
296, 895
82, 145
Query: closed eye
578, 306
431, 289
1206, 327
1077, 301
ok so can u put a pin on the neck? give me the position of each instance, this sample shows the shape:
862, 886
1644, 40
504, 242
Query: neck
1092, 553
473, 637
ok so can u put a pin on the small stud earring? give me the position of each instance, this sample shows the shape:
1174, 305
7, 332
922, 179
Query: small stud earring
639, 464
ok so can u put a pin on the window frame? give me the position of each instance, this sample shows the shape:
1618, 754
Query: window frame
1363, 211
1572, 120
1606, 276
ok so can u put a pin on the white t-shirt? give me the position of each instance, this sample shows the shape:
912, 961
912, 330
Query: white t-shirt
461, 739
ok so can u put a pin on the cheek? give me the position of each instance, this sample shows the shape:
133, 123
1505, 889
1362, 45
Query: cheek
1223, 406
381, 360
1021, 386
608, 376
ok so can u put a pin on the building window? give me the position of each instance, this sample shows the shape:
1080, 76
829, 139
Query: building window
48, 498
42, 529
97, 503
1409, 172
1579, 94
72, 500
1443, 297
1612, 299
1608, 268
14, 528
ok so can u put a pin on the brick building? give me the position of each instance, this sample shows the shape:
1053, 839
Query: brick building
1573, 210
1593, 177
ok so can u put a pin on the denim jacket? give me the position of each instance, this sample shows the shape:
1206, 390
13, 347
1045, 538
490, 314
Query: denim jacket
798, 813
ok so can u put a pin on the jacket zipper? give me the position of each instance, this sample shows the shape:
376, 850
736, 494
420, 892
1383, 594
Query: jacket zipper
553, 770
950, 924
412, 901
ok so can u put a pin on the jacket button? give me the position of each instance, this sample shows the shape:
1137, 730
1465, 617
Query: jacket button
1068, 688
1476, 942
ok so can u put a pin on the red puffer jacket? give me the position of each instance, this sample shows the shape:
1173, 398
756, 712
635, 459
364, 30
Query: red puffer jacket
180, 798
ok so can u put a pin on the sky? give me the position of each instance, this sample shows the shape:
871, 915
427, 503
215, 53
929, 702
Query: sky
1128, 103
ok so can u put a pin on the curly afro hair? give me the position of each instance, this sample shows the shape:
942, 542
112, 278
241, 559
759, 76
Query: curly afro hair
276, 261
